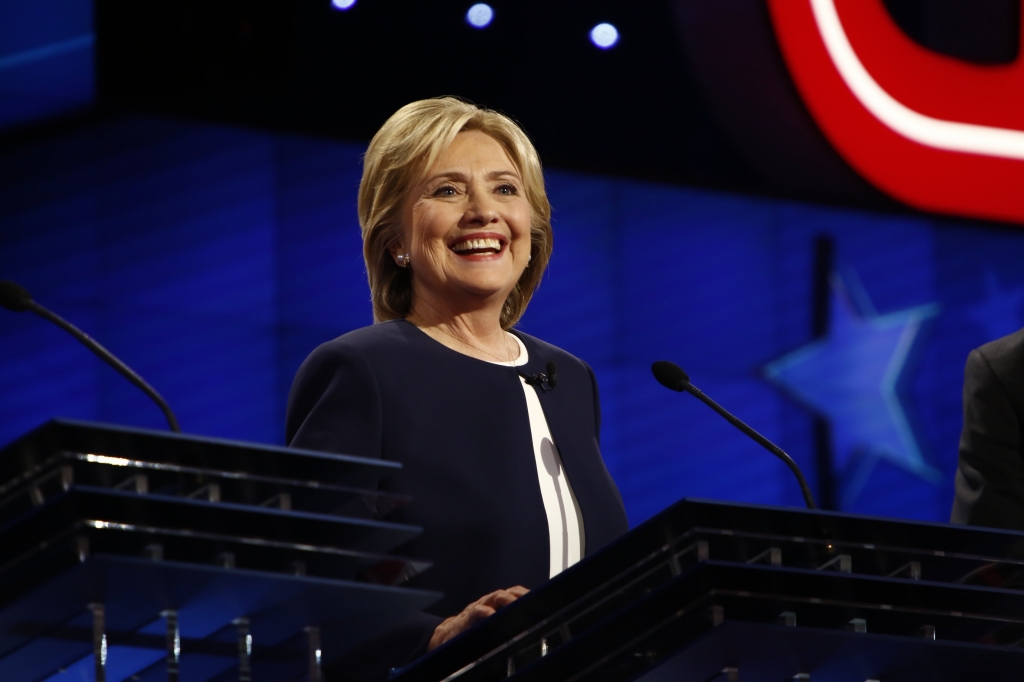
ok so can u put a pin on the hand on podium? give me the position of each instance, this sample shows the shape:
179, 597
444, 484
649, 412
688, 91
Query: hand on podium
474, 613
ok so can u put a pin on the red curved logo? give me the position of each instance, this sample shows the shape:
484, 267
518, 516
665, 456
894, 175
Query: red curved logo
933, 131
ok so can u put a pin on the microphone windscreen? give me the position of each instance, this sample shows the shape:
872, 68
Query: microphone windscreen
670, 375
552, 374
13, 296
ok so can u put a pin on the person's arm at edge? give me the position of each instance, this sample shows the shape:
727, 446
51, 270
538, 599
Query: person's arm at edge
990, 474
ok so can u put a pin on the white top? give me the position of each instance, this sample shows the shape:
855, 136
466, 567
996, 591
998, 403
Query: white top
565, 523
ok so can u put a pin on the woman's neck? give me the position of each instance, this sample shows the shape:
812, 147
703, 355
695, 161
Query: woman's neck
476, 333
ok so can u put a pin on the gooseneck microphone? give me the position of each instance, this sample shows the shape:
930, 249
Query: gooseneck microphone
671, 375
14, 297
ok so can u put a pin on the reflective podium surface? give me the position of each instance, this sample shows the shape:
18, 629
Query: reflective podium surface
144, 555
709, 590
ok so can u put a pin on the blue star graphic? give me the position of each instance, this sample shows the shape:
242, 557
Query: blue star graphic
999, 313
850, 376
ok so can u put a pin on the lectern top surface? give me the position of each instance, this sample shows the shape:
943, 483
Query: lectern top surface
58, 436
797, 522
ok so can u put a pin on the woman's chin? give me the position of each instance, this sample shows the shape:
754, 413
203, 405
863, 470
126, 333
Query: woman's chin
479, 289
484, 276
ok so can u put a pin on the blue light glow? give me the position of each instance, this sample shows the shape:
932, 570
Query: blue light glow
343, 4
604, 36
480, 15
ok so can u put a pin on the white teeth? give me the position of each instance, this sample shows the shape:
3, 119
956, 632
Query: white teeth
478, 244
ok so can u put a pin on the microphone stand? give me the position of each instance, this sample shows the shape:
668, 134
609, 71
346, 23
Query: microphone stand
15, 298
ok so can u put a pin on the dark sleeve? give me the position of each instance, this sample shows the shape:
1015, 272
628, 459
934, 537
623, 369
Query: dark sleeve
614, 510
990, 476
597, 404
334, 406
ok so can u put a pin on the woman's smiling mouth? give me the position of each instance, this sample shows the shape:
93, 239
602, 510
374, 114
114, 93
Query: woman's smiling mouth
479, 246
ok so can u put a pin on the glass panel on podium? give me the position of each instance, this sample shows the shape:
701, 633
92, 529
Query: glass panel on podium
129, 553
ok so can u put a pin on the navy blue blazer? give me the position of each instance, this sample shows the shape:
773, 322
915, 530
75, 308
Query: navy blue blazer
460, 428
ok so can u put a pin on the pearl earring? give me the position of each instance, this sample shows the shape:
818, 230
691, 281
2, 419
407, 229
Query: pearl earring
403, 260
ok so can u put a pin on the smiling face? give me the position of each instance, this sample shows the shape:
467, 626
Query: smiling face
466, 227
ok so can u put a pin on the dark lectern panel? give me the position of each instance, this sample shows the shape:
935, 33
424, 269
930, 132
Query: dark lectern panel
69, 469
48, 628
871, 531
129, 554
201, 549
699, 565
774, 653
97, 506
25, 455
656, 623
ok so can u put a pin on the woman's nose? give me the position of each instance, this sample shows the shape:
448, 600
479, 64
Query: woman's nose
481, 209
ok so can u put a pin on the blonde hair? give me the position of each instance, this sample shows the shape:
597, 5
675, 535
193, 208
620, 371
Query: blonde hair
402, 150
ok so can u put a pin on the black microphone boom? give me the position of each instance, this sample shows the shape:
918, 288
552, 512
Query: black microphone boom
671, 375
14, 297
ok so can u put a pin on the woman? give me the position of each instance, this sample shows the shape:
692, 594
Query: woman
506, 477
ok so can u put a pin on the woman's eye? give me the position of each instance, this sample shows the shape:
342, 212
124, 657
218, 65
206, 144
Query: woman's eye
445, 191
508, 189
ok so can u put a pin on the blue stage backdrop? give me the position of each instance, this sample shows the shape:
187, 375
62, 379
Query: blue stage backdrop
214, 259
47, 59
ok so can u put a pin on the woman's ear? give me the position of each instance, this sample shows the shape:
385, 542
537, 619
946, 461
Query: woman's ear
395, 248
399, 254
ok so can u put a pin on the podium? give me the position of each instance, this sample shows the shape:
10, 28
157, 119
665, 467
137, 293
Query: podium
146, 555
710, 591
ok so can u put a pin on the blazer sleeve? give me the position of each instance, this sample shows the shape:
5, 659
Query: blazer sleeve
990, 476
597, 404
335, 406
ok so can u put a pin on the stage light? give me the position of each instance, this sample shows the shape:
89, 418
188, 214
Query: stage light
480, 15
604, 36
342, 4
